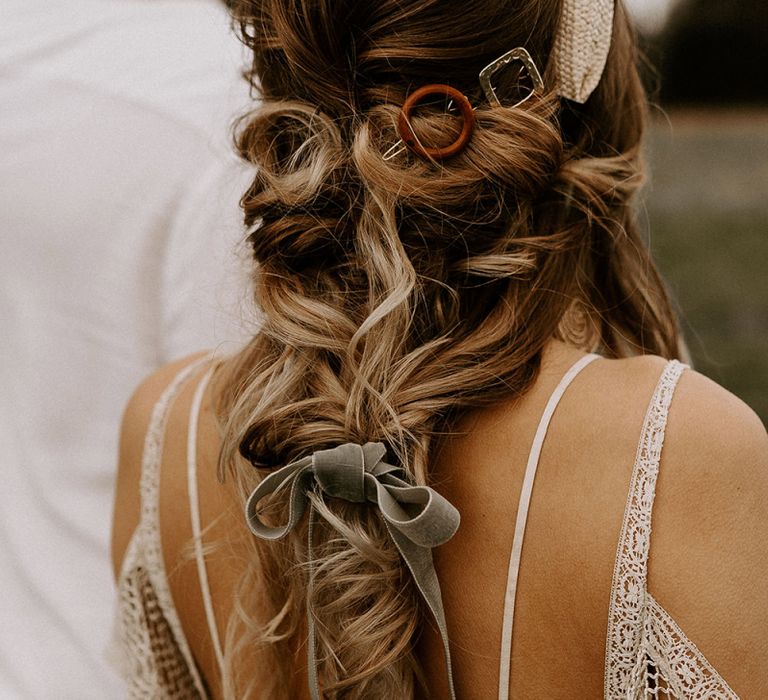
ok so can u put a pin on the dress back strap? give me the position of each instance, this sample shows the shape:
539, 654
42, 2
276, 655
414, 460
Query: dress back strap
194, 514
148, 531
629, 587
524, 503
153, 445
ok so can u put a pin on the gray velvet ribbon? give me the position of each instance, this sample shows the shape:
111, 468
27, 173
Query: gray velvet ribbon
417, 518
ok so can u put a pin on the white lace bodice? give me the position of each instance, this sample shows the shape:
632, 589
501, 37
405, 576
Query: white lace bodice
648, 656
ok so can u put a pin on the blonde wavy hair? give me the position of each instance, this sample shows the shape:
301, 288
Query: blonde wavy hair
397, 294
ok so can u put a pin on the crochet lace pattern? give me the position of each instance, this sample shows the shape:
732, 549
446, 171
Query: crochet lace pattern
647, 654
158, 661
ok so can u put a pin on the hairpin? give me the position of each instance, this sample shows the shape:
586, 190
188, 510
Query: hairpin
408, 135
409, 140
518, 54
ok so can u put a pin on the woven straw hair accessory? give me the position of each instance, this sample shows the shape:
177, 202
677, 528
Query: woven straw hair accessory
581, 47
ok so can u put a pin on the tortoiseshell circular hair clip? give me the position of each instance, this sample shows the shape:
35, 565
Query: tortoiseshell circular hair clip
408, 135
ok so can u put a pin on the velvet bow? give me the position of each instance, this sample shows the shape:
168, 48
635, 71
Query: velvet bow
417, 517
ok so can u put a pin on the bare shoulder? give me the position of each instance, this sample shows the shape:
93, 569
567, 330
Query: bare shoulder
714, 469
709, 543
139, 408
709, 550
713, 477
706, 420
133, 430
726, 436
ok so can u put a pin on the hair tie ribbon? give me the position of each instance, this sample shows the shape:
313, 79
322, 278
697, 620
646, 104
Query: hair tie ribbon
416, 517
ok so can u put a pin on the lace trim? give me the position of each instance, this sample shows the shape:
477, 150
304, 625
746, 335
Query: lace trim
628, 599
149, 629
647, 654
693, 676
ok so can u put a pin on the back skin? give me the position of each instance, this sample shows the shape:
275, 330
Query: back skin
709, 548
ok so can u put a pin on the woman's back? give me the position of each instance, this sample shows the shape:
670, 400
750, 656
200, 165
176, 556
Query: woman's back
708, 539
442, 224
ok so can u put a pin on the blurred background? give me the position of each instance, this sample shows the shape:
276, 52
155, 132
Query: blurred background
706, 203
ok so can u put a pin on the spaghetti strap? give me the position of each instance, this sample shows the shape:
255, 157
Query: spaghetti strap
505, 662
148, 626
153, 444
194, 514
627, 610
647, 654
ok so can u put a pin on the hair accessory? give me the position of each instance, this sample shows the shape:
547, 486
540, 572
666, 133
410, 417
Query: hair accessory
417, 518
518, 54
579, 53
408, 135
581, 47
408, 138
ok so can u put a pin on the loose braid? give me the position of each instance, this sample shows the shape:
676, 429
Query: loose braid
397, 294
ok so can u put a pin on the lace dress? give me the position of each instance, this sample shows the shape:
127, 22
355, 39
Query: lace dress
647, 655
154, 654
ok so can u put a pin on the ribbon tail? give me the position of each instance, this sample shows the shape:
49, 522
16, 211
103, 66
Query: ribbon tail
314, 683
419, 561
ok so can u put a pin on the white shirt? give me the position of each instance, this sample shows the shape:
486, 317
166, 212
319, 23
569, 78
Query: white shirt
118, 225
